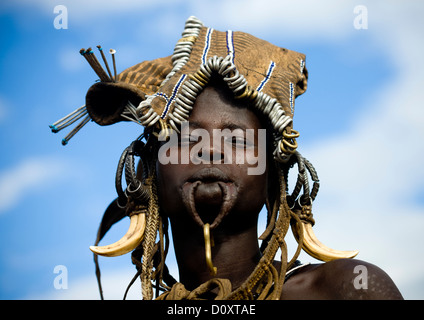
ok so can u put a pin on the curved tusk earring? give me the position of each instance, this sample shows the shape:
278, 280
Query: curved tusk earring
318, 250
303, 207
140, 193
128, 242
315, 248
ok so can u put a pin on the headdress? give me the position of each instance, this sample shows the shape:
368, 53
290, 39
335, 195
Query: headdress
160, 94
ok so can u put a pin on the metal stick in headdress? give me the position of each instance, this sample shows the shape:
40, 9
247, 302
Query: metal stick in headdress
82, 111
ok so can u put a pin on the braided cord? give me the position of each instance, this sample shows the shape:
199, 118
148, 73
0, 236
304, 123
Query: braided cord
152, 224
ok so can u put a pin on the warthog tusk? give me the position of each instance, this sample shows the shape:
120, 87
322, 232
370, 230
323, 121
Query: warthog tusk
128, 242
318, 250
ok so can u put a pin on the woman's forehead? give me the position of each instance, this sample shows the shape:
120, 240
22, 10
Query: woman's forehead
217, 107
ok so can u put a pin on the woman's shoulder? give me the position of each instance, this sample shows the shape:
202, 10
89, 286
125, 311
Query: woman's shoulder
340, 279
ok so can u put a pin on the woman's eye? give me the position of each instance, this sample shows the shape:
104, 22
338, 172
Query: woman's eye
239, 141
188, 139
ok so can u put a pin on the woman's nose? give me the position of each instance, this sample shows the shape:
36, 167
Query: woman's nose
212, 153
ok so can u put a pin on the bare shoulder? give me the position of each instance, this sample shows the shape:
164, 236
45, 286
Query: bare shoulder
341, 279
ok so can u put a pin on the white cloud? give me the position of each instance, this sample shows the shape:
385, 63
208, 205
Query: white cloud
307, 18
26, 177
303, 18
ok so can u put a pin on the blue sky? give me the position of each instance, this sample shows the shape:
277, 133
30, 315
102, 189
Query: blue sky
361, 123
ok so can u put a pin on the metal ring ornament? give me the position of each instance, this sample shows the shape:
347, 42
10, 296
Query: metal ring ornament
308, 196
126, 162
292, 135
292, 146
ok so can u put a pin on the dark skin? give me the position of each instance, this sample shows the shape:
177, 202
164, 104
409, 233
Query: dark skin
236, 251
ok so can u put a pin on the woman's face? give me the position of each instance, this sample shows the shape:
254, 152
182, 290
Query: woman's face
218, 177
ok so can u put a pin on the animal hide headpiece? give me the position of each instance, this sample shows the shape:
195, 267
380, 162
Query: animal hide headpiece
162, 92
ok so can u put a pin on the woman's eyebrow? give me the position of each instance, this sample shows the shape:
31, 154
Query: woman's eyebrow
233, 126
225, 125
194, 124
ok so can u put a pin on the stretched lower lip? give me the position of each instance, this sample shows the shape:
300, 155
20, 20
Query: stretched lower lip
209, 193
216, 195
